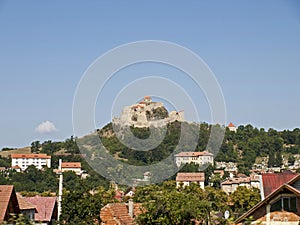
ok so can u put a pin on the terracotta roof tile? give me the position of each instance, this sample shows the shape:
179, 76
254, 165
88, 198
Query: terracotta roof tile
70, 165
190, 177
7, 194
237, 180
31, 156
16, 167
195, 154
23, 204
45, 206
117, 214
231, 125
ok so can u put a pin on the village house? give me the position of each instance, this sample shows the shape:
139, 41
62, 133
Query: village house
120, 213
8, 202
230, 167
271, 181
221, 173
26, 208
46, 208
185, 179
16, 168
199, 158
25, 160
281, 206
231, 184
71, 166
231, 127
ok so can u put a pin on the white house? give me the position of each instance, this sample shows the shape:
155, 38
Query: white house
230, 185
186, 179
231, 127
71, 166
199, 158
25, 160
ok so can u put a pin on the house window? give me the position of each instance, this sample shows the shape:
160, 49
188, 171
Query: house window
286, 204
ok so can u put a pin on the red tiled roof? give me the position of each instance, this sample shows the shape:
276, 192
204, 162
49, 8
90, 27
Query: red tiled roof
7, 194
190, 177
137, 106
237, 180
282, 188
117, 214
23, 204
44, 205
272, 181
119, 195
16, 167
70, 165
31, 156
231, 125
190, 154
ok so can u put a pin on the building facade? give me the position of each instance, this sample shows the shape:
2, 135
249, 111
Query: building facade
280, 207
231, 127
199, 158
185, 179
25, 160
71, 166
230, 185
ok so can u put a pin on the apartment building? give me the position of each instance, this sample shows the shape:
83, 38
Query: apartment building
25, 160
199, 158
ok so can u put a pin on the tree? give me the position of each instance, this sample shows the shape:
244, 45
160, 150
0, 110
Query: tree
271, 161
278, 159
190, 167
172, 206
18, 220
244, 199
35, 147
71, 145
208, 173
291, 160
82, 207
216, 180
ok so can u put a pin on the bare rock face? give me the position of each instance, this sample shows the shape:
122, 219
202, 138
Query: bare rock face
147, 113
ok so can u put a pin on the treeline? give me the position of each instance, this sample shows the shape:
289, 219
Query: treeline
166, 204
242, 147
248, 143
46, 180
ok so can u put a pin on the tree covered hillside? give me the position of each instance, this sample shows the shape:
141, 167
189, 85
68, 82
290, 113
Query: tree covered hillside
242, 147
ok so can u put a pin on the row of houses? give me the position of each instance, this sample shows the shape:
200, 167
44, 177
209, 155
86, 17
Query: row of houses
280, 193
20, 162
40, 210
280, 204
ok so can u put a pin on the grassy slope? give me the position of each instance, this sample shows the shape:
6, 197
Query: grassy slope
24, 150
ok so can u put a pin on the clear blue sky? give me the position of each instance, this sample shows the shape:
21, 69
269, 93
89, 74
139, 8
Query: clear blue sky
253, 47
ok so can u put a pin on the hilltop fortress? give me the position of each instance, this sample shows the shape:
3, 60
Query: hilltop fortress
147, 113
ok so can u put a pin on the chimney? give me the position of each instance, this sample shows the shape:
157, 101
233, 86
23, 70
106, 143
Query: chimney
130, 208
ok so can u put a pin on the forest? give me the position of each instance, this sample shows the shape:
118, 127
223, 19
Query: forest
83, 198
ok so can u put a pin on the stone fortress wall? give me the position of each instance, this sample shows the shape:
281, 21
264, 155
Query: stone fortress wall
136, 115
